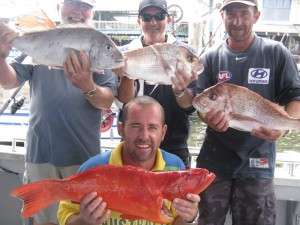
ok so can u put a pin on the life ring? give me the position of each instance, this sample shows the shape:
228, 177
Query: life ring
107, 120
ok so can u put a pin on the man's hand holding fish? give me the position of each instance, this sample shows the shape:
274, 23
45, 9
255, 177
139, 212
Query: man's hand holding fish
267, 133
77, 70
181, 81
6, 37
187, 209
94, 211
216, 119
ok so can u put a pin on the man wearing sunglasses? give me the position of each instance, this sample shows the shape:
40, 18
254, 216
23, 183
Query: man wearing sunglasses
153, 19
65, 108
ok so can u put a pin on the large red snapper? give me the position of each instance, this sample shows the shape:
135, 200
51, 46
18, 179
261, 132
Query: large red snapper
134, 192
157, 63
247, 109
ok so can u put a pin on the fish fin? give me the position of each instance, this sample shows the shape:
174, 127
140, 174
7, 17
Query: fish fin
38, 20
166, 67
37, 196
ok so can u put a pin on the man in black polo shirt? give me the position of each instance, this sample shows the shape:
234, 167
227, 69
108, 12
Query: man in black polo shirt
153, 19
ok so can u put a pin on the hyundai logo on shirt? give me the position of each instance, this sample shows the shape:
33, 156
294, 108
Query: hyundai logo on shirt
258, 76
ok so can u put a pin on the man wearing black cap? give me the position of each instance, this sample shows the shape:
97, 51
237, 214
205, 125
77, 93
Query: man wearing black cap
244, 163
153, 19
65, 108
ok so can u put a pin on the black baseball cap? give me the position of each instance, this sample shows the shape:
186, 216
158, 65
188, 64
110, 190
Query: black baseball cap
161, 4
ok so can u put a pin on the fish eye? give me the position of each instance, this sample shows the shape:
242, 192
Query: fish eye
213, 96
108, 47
190, 58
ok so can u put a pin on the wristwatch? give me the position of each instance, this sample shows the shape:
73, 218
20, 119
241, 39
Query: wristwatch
180, 94
91, 93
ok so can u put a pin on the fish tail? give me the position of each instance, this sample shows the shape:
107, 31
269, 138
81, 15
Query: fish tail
37, 20
37, 196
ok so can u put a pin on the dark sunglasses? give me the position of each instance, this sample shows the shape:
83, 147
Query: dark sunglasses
158, 16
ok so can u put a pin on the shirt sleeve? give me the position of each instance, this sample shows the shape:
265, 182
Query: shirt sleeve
65, 210
107, 79
288, 79
24, 71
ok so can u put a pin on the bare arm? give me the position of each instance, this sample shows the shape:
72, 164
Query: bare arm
102, 99
180, 83
126, 90
293, 109
8, 76
184, 99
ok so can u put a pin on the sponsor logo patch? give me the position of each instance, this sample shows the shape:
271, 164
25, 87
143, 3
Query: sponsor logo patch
261, 163
224, 76
258, 76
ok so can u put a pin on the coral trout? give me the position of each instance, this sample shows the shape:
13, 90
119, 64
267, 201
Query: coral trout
131, 191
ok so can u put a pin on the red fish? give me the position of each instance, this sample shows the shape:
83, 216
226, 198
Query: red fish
134, 192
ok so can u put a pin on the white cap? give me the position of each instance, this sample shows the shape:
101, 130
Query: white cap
92, 3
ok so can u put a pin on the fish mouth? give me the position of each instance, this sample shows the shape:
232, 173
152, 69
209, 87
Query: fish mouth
118, 64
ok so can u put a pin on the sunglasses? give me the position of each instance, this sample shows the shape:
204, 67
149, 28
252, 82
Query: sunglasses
158, 16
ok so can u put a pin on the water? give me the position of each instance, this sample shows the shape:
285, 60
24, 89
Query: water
289, 143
